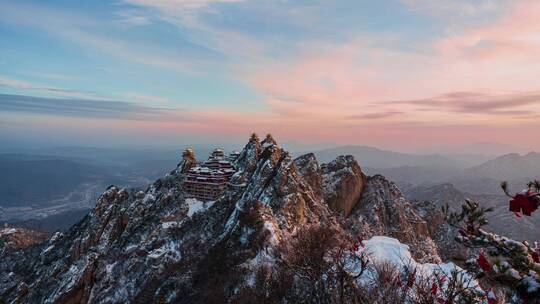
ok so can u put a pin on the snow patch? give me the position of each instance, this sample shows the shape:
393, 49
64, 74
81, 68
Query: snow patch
7, 231
196, 205
385, 249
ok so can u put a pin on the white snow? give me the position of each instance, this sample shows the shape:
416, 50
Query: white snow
386, 249
56, 236
196, 205
7, 231
130, 248
148, 198
46, 250
168, 251
167, 225
110, 267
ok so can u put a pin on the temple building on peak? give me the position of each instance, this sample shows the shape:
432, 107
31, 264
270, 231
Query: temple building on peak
208, 180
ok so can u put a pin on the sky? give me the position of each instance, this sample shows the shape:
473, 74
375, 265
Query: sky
397, 74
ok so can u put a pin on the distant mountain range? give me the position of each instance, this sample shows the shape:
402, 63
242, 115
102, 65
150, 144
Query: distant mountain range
510, 166
469, 173
383, 159
501, 220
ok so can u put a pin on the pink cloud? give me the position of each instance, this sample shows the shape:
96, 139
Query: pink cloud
496, 64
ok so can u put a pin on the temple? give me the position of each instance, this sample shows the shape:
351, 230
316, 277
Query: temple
207, 181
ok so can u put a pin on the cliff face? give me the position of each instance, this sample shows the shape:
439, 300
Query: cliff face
343, 184
157, 246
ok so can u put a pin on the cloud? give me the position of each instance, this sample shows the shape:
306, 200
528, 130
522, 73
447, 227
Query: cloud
189, 16
178, 6
84, 108
132, 18
478, 62
480, 103
375, 115
148, 99
458, 10
18, 84
102, 36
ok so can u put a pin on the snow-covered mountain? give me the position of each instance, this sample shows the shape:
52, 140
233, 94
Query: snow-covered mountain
156, 246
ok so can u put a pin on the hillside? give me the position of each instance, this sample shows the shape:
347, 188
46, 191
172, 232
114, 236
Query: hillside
158, 246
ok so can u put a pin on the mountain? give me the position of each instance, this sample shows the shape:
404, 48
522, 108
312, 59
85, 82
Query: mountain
485, 178
415, 175
501, 221
508, 167
382, 159
159, 246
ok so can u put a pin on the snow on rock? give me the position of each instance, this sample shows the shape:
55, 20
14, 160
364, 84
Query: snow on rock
7, 231
386, 249
196, 205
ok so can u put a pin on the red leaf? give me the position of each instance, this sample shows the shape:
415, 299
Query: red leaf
525, 203
360, 241
434, 288
483, 262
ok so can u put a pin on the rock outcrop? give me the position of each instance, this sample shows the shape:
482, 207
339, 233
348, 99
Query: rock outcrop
156, 246
343, 183
383, 210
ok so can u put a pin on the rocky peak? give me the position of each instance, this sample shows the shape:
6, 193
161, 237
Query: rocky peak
158, 246
248, 157
308, 167
268, 141
343, 183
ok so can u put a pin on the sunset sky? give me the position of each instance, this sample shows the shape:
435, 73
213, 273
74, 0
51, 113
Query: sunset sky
403, 74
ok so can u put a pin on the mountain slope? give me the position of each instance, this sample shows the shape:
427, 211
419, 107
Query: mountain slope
157, 246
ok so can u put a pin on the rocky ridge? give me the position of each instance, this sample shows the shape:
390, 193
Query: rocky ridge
157, 246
